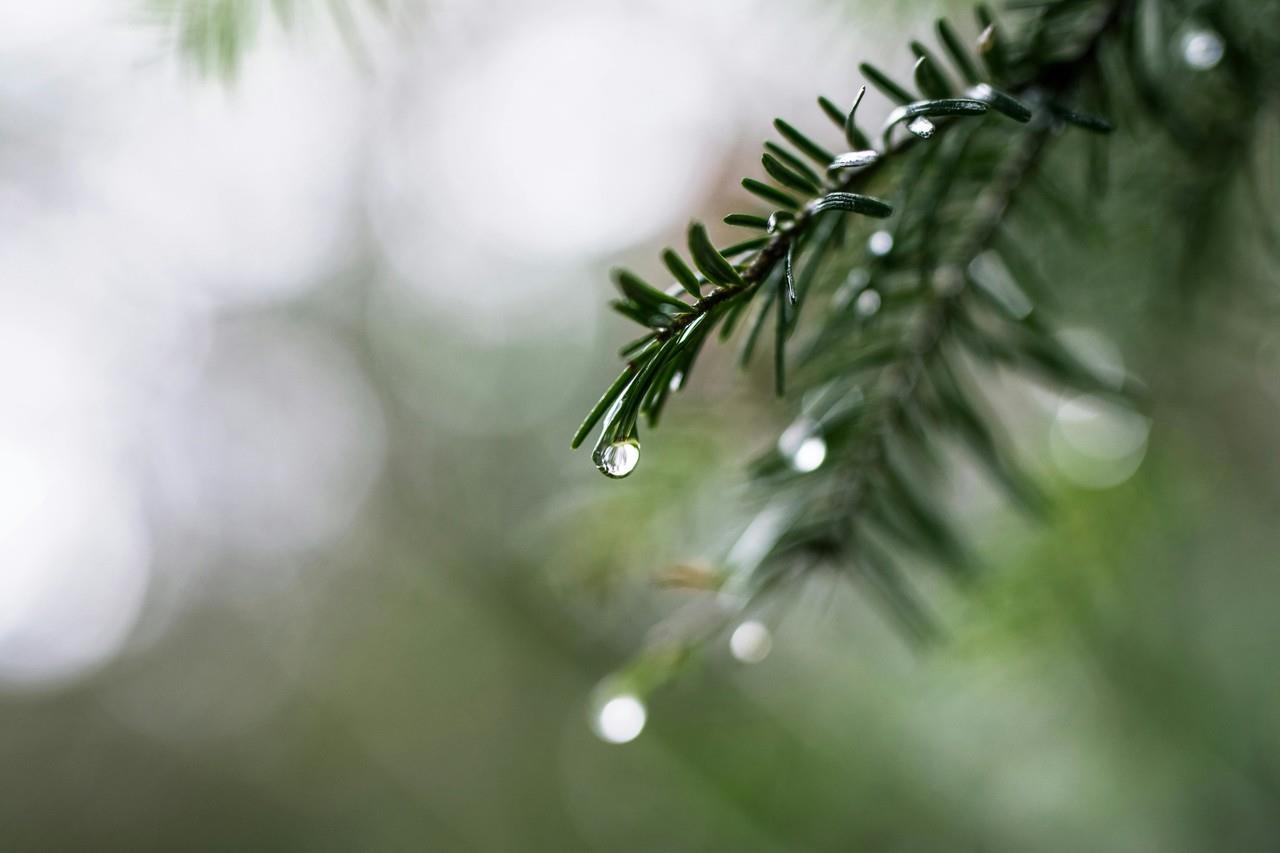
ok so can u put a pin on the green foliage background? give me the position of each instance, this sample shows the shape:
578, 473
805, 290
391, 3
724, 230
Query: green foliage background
1107, 683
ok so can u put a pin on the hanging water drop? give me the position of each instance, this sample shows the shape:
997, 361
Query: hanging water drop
802, 446
781, 221
750, 642
619, 459
921, 127
1202, 49
868, 302
620, 719
810, 455
880, 243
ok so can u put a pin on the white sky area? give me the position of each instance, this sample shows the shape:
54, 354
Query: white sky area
487, 156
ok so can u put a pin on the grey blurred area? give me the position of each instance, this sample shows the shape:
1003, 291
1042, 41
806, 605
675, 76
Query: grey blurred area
293, 554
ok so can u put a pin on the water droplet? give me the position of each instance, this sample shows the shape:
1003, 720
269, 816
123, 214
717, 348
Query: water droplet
1096, 443
987, 39
853, 160
619, 459
981, 92
880, 243
802, 446
1202, 49
751, 642
868, 302
921, 127
781, 221
811, 453
620, 719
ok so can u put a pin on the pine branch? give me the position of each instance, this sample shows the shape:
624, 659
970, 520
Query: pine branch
671, 320
887, 373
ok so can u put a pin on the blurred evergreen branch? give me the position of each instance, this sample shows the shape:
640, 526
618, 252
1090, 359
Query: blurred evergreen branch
943, 288
215, 35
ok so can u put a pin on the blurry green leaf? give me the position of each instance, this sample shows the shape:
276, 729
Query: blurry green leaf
927, 524
735, 311
793, 161
885, 84
638, 345
789, 275
215, 35
807, 146
837, 116
889, 584
769, 194
929, 77
1001, 102
745, 246
957, 51
605, 401
787, 177
1088, 121
643, 316
853, 202
642, 293
659, 392
747, 220
780, 332
749, 343
712, 264
680, 270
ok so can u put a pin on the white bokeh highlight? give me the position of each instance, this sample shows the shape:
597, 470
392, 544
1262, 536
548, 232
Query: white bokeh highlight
751, 641
802, 446
1096, 443
76, 561
556, 161
620, 719
277, 447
